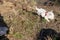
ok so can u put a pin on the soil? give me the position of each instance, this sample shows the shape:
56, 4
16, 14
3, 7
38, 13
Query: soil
25, 25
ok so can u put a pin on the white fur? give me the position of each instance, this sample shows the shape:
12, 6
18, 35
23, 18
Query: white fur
42, 12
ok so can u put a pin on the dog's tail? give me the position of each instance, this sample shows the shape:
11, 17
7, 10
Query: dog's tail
36, 8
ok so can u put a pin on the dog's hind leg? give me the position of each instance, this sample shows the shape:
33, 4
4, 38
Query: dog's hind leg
47, 19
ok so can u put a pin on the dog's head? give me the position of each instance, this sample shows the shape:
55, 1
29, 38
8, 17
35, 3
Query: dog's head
51, 15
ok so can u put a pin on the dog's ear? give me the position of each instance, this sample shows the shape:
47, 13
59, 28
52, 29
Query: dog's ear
36, 8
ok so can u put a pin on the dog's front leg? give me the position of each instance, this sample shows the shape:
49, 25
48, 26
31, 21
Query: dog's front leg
47, 19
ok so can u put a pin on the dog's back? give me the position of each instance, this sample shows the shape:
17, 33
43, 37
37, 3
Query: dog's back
41, 11
46, 32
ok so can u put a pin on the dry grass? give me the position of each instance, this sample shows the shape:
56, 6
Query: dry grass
23, 24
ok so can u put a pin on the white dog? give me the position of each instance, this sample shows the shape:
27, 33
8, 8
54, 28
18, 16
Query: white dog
45, 14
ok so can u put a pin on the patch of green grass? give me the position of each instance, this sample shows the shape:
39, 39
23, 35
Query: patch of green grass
43, 20
18, 35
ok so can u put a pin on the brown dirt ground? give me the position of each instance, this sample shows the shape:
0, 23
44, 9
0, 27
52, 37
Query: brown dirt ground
24, 25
